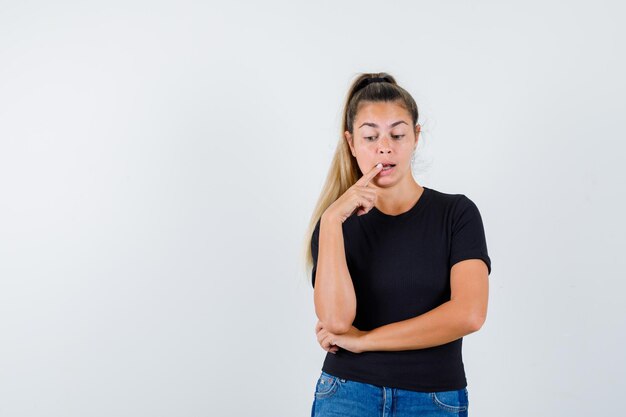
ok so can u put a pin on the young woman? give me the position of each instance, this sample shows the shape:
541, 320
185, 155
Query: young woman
399, 270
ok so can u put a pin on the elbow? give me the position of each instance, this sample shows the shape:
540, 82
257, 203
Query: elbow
471, 316
339, 327
335, 320
335, 325
475, 322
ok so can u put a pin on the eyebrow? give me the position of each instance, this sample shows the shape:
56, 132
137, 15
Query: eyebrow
391, 125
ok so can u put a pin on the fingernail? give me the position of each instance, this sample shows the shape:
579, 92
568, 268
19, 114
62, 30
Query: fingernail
379, 165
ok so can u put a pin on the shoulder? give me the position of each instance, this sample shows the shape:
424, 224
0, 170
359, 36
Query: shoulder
455, 207
451, 201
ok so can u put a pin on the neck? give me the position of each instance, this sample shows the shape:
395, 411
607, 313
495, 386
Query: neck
399, 198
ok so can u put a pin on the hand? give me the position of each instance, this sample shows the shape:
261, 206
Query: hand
357, 198
330, 342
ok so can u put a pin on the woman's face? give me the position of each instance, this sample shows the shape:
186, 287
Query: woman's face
383, 132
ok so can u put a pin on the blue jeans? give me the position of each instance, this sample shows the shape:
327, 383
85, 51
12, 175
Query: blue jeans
340, 397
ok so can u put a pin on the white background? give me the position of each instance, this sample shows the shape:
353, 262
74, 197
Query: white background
159, 162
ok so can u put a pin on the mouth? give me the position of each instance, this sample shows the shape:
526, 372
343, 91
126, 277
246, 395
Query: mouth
387, 167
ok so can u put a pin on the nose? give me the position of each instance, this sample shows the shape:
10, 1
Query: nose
384, 145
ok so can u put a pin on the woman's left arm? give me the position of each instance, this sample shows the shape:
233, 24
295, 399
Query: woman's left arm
465, 313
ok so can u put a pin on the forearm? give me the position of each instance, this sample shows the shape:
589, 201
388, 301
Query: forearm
334, 297
443, 324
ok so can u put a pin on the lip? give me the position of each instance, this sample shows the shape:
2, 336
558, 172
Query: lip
384, 173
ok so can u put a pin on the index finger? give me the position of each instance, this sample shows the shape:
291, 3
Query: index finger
365, 179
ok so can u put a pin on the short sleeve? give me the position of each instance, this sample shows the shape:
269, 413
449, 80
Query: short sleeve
315, 238
468, 234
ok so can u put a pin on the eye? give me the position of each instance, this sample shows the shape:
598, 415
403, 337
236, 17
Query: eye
372, 138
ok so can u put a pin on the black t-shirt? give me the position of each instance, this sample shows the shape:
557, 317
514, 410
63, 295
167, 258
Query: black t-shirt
400, 268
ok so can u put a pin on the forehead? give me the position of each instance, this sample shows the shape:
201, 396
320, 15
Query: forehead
381, 113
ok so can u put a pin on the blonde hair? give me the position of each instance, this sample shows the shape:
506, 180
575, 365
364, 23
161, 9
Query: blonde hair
344, 170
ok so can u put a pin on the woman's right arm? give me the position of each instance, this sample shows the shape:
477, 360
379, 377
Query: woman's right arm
333, 294
334, 297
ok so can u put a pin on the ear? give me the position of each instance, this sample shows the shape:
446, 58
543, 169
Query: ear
418, 129
349, 139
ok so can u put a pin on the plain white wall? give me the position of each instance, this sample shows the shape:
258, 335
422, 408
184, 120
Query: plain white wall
159, 162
